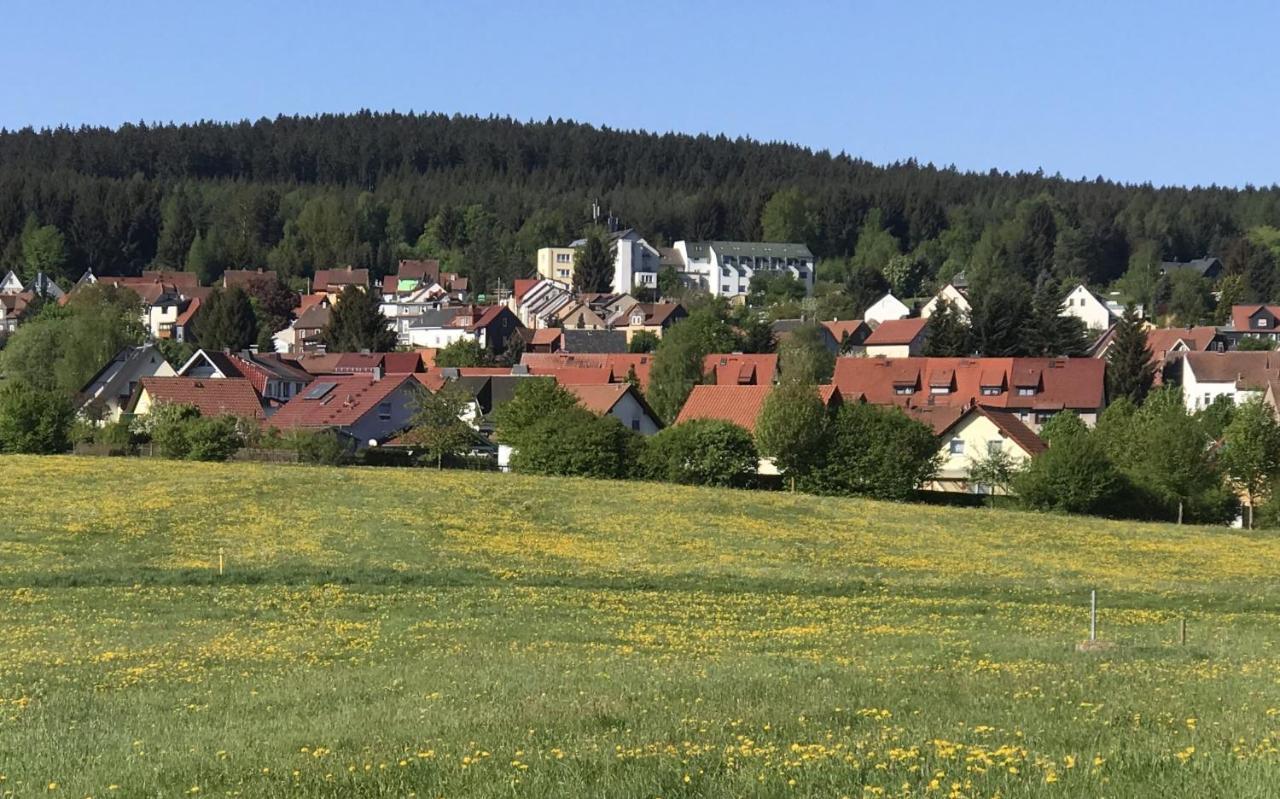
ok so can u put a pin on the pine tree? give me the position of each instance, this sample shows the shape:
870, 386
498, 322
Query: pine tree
999, 319
593, 263
949, 335
356, 324
1130, 369
1050, 333
227, 321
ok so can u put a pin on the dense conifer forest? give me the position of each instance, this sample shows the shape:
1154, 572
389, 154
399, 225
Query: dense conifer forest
295, 194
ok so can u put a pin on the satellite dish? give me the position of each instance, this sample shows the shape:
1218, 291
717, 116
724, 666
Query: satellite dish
373, 442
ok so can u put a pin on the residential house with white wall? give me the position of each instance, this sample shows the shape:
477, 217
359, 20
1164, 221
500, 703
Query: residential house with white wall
725, 268
1239, 375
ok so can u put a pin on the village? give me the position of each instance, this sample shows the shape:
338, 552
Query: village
985, 413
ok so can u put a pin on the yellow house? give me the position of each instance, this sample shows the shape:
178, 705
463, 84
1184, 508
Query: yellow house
556, 263
977, 434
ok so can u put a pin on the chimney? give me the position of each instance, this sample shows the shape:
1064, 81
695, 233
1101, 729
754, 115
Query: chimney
377, 373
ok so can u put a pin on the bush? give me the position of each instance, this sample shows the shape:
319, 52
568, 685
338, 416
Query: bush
324, 447
1073, 476
701, 452
34, 420
167, 426
875, 451
576, 442
213, 439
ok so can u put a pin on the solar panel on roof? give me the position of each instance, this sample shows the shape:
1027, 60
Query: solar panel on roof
319, 390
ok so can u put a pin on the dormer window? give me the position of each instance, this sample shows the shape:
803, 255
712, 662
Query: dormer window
990, 391
1026, 391
1262, 321
904, 389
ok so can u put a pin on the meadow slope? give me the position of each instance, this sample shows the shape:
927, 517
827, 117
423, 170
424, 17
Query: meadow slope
421, 633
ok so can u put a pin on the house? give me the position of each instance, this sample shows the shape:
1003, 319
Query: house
12, 284
1097, 313
635, 262
556, 263
935, 389
738, 369
333, 281
619, 400
44, 286
276, 378
898, 338
1238, 375
491, 326
306, 331
976, 434
183, 327
725, 268
538, 303
1207, 267
952, 294
1254, 321
366, 408
651, 317
13, 307
230, 397
544, 339
850, 335
886, 309
782, 328
107, 393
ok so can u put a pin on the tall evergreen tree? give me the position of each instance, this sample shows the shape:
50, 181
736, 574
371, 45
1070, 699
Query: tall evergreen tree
227, 321
999, 319
1050, 333
1130, 370
593, 263
949, 335
356, 324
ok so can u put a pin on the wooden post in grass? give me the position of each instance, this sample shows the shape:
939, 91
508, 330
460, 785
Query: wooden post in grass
1093, 614
220, 562
1182, 631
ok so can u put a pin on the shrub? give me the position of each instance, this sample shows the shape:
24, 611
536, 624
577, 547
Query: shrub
167, 426
878, 452
34, 420
701, 452
576, 442
212, 439
323, 447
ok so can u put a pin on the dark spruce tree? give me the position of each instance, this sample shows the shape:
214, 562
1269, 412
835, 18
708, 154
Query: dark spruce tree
1000, 318
593, 263
356, 324
1130, 369
949, 335
227, 321
1050, 334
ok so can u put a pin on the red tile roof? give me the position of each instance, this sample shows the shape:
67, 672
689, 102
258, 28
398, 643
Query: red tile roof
897, 331
545, 336
401, 363
1241, 314
329, 279
193, 307
426, 270
1161, 340
844, 328
521, 286
737, 369
618, 363
350, 399
578, 375
598, 399
1075, 383
212, 396
739, 405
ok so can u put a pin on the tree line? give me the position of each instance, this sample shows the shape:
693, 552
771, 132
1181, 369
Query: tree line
296, 194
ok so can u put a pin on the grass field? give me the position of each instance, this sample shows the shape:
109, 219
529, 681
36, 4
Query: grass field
415, 633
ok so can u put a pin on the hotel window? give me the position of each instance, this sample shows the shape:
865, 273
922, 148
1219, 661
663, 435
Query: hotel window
562, 257
957, 446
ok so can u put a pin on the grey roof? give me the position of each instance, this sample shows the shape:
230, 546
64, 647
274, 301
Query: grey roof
1201, 266
748, 249
435, 317
606, 341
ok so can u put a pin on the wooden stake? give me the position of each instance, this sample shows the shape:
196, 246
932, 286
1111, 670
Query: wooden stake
1182, 631
1093, 615
220, 561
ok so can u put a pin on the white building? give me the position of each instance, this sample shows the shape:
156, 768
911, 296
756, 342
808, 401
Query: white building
1238, 375
886, 309
725, 268
636, 262
1097, 313
954, 295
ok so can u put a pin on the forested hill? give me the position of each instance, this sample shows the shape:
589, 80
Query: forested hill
296, 194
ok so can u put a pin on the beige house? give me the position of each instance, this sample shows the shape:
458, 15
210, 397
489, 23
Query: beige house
556, 263
977, 434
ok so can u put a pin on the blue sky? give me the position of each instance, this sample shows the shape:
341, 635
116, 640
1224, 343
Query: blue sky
1172, 93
